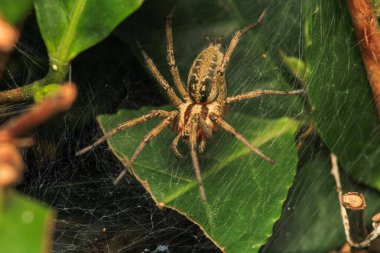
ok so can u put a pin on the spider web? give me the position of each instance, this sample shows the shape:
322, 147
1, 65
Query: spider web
95, 216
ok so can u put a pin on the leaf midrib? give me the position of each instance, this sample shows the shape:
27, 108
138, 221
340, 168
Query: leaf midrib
63, 47
259, 141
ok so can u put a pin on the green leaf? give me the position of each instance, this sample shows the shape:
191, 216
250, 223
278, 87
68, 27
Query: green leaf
69, 27
46, 90
339, 92
245, 193
15, 10
25, 225
296, 66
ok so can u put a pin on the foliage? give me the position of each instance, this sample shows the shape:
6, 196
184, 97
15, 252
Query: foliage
338, 108
228, 174
309, 45
24, 224
70, 27
15, 11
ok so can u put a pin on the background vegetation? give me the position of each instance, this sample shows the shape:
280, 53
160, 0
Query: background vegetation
289, 207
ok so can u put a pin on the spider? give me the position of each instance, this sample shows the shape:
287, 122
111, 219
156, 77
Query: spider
200, 106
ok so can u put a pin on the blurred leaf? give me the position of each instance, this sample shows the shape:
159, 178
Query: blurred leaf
25, 225
339, 92
296, 66
15, 10
46, 90
72, 26
376, 7
248, 69
245, 193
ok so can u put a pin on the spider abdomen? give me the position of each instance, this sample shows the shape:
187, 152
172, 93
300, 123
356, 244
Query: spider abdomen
203, 81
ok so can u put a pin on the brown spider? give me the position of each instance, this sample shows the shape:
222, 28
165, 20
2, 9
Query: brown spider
201, 107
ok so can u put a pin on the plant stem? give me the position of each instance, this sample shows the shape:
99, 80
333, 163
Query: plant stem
56, 74
368, 36
354, 203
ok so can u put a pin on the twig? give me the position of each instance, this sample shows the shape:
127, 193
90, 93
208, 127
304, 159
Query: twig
56, 74
376, 219
343, 213
40, 113
368, 35
354, 203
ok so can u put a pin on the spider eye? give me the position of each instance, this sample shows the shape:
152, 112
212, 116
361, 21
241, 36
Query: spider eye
185, 136
193, 80
206, 84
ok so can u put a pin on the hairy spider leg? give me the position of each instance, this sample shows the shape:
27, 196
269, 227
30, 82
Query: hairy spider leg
148, 137
174, 99
238, 136
194, 158
235, 39
174, 146
202, 145
258, 93
206, 130
125, 125
171, 59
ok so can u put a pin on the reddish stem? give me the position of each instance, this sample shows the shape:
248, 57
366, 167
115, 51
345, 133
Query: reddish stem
368, 35
39, 113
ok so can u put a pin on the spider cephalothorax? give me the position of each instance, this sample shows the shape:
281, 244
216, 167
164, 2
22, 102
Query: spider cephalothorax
200, 106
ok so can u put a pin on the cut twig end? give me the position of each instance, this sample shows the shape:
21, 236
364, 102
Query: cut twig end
353, 201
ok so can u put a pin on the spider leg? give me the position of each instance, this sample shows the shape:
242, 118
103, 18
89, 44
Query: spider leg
160, 79
171, 59
258, 93
220, 39
125, 125
174, 147
238, 136
235, 39
202, 145
148, 137
210, 40
206, 130
202, 124
194, 158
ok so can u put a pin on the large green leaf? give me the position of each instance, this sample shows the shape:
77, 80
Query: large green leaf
13, 11
244, 200
339, 92
245, 193
25, 225
70, 26
248, 70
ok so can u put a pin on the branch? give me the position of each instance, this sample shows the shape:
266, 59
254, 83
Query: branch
343, 213
368, 35
39, 113
56, 74
354, 203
